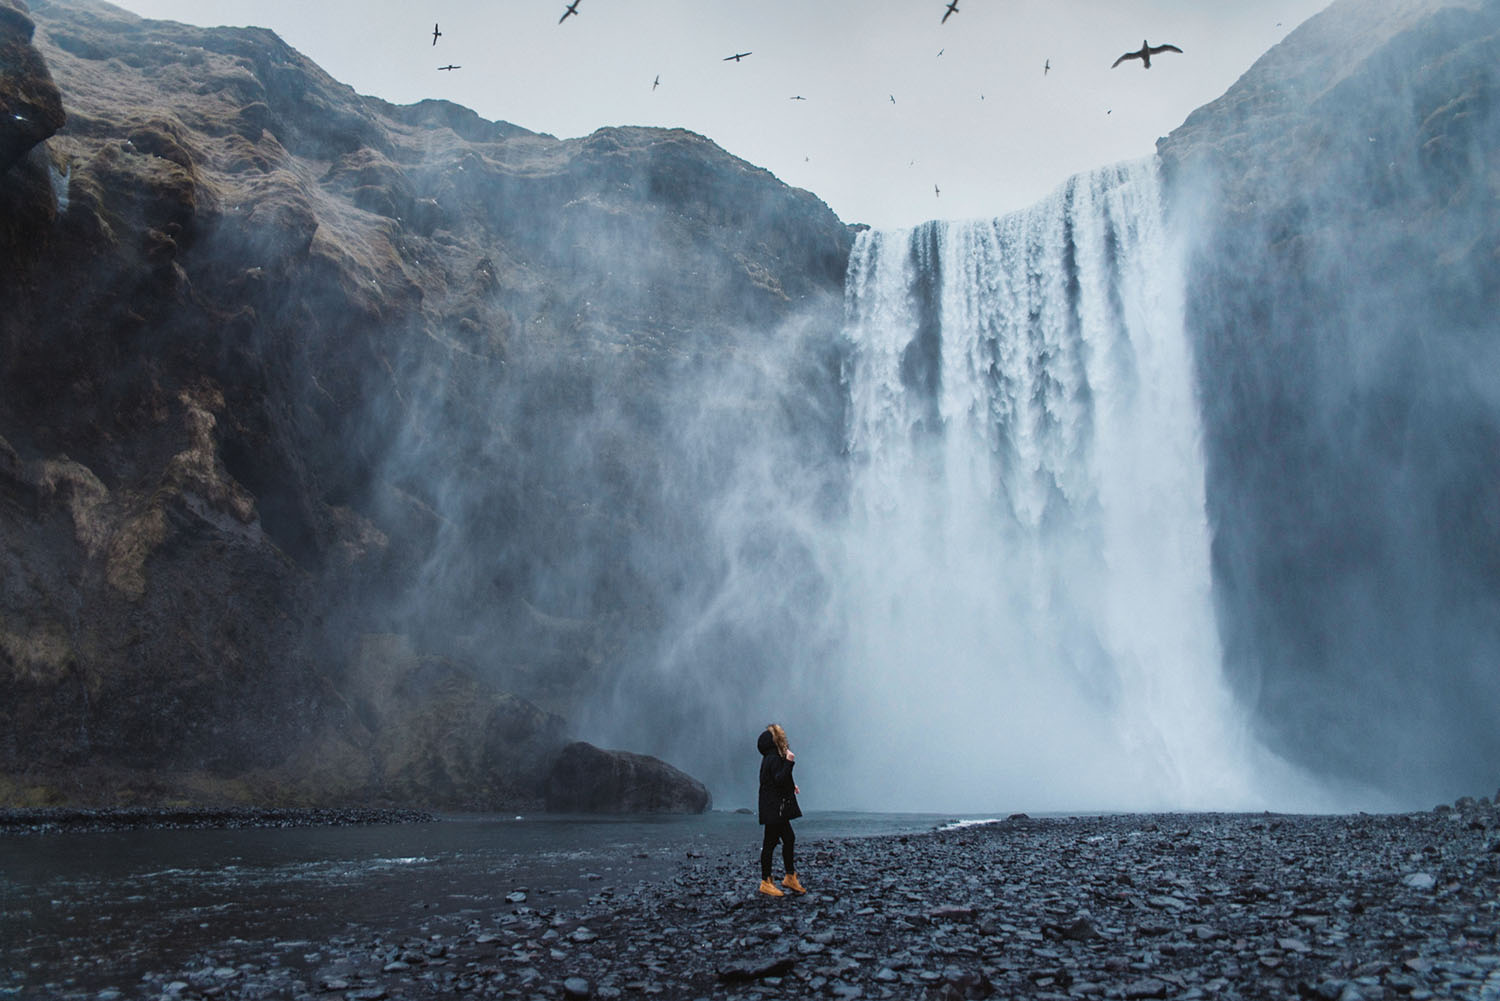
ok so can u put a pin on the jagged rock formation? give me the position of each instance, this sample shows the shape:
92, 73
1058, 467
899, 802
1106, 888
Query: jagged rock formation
309, 404
1344, 295
589, 779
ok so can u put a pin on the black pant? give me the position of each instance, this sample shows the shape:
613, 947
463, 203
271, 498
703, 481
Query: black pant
777, 830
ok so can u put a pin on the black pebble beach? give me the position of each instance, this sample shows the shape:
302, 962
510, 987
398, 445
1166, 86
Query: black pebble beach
61, 820
1182, 906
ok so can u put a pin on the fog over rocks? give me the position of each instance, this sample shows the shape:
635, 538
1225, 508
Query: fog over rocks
334, 435
1344, 302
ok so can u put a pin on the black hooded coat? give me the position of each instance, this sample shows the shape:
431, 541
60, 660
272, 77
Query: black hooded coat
776, 785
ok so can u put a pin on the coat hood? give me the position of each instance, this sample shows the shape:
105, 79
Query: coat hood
766, 743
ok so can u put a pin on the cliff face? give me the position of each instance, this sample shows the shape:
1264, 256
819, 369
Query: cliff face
1344, 295
336, 437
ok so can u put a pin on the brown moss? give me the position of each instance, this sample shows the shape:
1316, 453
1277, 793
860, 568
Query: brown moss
129, 549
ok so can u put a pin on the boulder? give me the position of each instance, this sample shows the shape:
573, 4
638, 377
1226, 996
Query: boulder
588, 779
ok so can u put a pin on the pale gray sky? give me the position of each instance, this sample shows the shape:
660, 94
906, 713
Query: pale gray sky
981, 121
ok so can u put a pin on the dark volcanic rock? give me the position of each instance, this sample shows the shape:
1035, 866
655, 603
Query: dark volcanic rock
30, 106
62, 820
757, 970
588, 779
336, 437
1344, 302
1307, 907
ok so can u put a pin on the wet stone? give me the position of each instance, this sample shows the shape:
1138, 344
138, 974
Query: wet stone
1146, 987
1253, 924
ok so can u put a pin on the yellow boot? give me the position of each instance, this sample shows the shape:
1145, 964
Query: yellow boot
769, 889
791, 882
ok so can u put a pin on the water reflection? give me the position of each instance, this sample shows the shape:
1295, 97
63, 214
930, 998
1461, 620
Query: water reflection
82, 913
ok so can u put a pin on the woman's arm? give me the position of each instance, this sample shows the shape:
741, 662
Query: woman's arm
783, 772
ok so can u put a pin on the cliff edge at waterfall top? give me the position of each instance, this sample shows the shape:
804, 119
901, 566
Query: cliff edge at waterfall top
996, 105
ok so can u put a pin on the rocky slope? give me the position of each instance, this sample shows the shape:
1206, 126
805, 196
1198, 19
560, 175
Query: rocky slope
309, 405
1345, 302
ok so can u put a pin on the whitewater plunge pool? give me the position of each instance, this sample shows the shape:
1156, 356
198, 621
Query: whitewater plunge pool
89, 915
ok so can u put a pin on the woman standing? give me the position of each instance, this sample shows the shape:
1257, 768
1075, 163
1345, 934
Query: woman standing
778, 808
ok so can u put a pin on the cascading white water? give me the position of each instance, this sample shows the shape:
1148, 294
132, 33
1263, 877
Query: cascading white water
1026, 579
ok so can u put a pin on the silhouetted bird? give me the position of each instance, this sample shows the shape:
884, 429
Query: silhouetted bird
893, 98
1047, 67
952, 9
436, 34
736, 57
941, 51
799, 97
450, 66
657, 82
935, 192
1144, 54
572, 9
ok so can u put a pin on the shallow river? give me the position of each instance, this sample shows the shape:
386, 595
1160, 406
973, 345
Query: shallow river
87, 913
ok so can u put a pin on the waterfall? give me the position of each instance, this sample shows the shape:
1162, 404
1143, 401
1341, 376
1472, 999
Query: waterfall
1026, 565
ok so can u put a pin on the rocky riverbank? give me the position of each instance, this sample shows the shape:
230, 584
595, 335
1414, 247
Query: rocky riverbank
57, 820
1175, 906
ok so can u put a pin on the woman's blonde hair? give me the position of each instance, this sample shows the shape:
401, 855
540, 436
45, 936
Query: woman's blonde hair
778, 735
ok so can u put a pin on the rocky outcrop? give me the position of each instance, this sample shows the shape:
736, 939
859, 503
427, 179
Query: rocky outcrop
30, 107
285, 372
1343, 297
588, 779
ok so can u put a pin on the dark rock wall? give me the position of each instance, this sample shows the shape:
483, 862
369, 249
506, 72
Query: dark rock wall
335, 437
1344, 298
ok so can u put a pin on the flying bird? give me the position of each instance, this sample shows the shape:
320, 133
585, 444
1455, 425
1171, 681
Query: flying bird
935, 192
736, 57
799, 97
657, 82
1144, 54
1047, 67
450, 66
572, 9
893, 98
941, 51
952, 9
436, 34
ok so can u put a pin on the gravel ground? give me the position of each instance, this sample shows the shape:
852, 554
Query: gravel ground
1182, 906
56, 820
